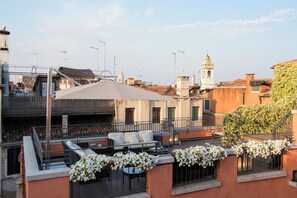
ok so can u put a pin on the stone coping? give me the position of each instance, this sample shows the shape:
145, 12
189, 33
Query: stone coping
79, 140
32, 171
165, 159
137, 195
261, 176
197, 186
293, 184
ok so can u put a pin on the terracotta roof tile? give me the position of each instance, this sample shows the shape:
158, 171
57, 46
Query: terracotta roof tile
163, 90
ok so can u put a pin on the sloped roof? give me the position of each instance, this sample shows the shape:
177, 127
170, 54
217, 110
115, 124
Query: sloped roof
106, 90
77, 73
163, 90
235, 83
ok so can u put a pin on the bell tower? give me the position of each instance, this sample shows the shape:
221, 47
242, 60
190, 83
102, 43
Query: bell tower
4, 45
206, 73
4, 59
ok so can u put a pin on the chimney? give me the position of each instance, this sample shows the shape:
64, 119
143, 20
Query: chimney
182, 86
248, 79
130, 81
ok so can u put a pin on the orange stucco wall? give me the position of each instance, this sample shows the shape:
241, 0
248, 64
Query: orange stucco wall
57, 187
230, 188
159, 181
188, 134
223, 100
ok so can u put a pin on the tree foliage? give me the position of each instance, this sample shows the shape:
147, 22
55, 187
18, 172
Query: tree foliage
261, 118
284, 83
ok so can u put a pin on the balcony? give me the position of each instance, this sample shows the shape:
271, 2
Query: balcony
36, 106
221, 180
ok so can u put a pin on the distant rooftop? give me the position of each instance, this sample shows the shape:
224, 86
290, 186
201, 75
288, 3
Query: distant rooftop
77, 73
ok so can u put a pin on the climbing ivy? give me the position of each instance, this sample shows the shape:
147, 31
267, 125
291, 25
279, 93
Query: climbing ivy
261, 118
284, 82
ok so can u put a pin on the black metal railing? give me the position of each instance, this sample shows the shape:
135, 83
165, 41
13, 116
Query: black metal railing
283, 129
247, 165
186, 175
111, 183
102, 129
36, 105
38, 147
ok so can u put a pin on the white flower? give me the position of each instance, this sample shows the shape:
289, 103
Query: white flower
261, 149
88, 165
202, 155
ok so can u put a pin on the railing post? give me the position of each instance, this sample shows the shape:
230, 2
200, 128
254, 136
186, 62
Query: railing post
294, 126
65, 125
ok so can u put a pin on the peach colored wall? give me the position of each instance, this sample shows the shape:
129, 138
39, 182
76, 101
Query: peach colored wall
223, 100
48, 188
159, 181
184, 134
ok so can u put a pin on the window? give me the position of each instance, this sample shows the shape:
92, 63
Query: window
156, 114
44, 88
129, 117
195, 113
171, 113
208, 74
13, 164
206, 105
256, 88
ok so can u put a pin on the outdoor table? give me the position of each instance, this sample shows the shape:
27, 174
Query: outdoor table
131, 173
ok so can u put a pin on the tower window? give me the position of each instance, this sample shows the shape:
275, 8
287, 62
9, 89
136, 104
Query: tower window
208, 74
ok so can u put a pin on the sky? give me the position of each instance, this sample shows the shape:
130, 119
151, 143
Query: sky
240, 36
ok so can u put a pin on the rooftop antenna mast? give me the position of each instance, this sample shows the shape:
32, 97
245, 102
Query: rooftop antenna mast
174, 64
183, 52
65, 53
114, 65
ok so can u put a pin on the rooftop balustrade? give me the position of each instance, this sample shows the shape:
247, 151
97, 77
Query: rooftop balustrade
36, 106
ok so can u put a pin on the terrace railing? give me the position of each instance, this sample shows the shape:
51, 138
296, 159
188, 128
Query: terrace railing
284, 128
34, 105
185, 175
102, 129
111, 183
38, 147
246, 165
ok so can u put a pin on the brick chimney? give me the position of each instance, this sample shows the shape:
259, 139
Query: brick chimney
248, 79
182, 86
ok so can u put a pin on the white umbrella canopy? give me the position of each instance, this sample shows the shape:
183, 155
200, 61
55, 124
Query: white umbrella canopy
107, 90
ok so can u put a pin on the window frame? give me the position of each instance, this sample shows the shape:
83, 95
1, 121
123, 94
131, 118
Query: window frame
131, 119
204, 105
173, 113
197, 112
156, 119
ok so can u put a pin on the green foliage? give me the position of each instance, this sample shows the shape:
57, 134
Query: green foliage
284, 83
261, 118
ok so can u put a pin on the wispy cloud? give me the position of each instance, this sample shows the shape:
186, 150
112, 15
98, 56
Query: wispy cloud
149, 11
237, 26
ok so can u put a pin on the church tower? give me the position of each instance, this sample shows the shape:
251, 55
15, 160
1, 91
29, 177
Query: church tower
206, 74
120, 77
4, 60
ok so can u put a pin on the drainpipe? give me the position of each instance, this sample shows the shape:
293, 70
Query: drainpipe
243, 98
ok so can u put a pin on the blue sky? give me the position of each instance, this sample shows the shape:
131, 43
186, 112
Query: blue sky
240, 36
